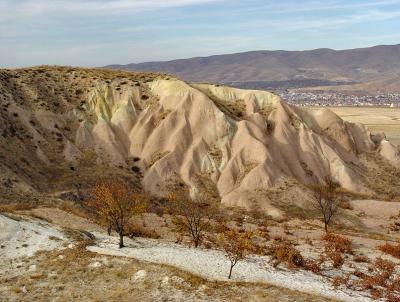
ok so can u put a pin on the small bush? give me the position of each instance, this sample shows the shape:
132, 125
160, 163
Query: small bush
312, 266
345, 205
381, 281
335, 246
339, 243
141, 231
391, 249
285, 252
340, 280
361, 259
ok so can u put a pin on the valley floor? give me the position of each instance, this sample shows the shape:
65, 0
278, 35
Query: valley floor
63, 268
43, 260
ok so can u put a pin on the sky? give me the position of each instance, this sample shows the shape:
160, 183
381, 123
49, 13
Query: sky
102, 32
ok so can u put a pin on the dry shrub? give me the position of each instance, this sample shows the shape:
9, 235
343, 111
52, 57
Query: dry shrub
395, 227
341, 280
391, 249
285, 252
339, 243
393, 298
263, 232
336, 257
140, 231
335, 247
381, 281
345, 204
312, 266
361, 259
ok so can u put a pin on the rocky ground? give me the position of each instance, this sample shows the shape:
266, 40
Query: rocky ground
49, 254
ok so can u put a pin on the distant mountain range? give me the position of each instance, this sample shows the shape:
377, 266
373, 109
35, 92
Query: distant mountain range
364, 69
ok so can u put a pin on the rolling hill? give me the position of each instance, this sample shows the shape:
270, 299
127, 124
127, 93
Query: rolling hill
378, 67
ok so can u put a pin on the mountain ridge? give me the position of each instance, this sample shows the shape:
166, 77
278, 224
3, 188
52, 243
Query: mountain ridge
336, 67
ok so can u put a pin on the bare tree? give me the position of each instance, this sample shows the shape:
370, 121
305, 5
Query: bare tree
326, 199
114, 203
192, 217
236, 246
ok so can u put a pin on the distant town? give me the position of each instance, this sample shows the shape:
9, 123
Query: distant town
307, 99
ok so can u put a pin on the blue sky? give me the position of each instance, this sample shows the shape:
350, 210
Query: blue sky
101, 32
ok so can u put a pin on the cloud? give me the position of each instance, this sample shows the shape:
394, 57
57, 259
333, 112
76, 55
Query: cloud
312, 6
26, 8
310, 23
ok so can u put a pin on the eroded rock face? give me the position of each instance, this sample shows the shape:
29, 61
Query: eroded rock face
390, 152
190, 132
240, 140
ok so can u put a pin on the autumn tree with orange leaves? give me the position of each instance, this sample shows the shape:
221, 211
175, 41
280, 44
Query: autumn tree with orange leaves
236, 245
114, 202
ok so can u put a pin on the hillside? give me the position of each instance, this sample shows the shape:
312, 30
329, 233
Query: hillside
64, 128
290, 69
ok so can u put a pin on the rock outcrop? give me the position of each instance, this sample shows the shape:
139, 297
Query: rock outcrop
240, 140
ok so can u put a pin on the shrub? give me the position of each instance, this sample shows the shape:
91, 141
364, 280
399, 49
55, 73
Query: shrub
339, 243
381, 280
285, 252
335, 246
141, 231
345, 205
391, 249
340, 280
361, 258
312, 266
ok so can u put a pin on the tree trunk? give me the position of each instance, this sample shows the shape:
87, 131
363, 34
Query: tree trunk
326, 227
109, 229
230, 272
121, 239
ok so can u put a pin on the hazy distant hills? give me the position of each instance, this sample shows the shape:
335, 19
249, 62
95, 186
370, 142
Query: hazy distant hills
373, 66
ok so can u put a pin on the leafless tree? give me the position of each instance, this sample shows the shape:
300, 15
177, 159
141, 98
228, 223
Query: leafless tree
192, 217
326, 199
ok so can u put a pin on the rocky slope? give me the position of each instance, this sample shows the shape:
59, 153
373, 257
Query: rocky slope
63, 127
